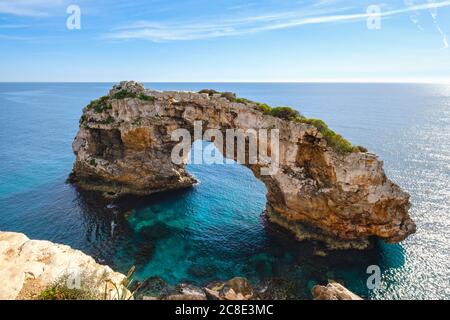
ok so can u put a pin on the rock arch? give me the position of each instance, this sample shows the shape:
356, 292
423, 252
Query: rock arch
124, 146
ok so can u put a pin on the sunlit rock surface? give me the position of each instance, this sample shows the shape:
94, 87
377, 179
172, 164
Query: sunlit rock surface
30, 266
333, 291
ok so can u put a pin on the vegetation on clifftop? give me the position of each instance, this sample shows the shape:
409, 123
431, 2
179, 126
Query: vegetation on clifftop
103, 104
123, 94
99, 105
285, 113
336, 141
230, 96
60, 290
65, 288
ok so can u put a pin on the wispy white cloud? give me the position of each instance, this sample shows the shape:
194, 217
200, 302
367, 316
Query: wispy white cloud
434, 17
414, 15
30, 8
322, 3
321, 13
13, 26
18, 38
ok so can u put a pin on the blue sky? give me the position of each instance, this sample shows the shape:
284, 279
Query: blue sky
218, 40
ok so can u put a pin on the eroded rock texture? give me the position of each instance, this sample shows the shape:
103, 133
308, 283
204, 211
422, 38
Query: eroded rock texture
124, 146
333, 291
30, 266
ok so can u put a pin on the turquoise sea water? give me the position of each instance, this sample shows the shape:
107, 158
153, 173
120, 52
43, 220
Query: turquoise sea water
216, 230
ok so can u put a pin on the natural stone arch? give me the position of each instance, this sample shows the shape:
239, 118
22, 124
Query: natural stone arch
343, 199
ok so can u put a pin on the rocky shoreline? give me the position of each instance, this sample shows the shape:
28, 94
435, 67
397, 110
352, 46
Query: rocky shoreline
30, 267
237, 288
325, 189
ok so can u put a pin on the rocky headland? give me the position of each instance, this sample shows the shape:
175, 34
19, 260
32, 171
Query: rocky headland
325, 188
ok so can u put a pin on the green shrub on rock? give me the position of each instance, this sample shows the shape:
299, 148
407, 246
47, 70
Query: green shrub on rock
230, 96
122, 94
61, 291
210, 92
286, 113
334, 140
264, 108
99, 105
146, 98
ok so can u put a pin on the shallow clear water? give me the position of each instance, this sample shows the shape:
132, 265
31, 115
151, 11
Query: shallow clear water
216, 230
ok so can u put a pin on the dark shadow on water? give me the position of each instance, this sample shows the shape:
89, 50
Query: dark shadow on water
106, 223
346, 266
94, 201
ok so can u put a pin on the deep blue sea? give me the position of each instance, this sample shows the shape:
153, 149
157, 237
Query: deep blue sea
216, 230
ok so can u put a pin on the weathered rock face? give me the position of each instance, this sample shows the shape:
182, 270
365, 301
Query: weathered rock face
235, 289
187, 292
30, 266
333, 291
124, 146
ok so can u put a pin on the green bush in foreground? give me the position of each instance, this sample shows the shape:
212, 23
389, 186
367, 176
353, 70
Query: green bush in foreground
60, 291
91, 284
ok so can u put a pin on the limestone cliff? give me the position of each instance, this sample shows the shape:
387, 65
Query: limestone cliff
30, 266
124, 146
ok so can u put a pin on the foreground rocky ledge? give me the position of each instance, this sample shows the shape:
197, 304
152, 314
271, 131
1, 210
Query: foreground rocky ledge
325, 189
28, 267
237, 288
31, 267
333, 291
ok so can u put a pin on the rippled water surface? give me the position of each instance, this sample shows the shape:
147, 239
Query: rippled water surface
216, 230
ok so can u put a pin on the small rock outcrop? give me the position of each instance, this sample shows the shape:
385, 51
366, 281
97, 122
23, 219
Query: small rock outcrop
343, 199
187, 292
333, 291
235, 289
155, 288
30, 266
